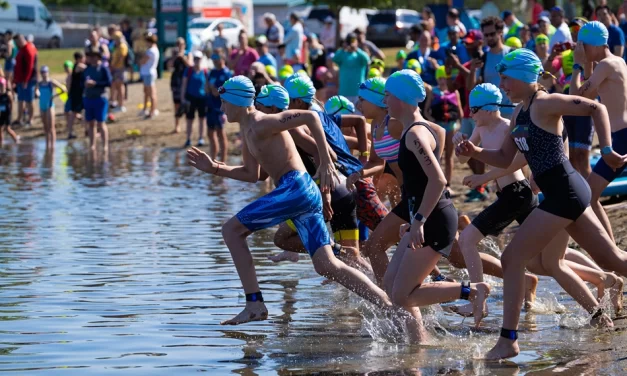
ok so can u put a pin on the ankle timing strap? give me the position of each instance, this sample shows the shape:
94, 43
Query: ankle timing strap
441, 277
597, 313
254, 297
509, 334
465, 294
337, 249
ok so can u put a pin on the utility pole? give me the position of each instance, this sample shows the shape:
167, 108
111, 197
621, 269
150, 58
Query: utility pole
160, 38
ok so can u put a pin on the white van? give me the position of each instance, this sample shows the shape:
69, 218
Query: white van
350, 19
31, 17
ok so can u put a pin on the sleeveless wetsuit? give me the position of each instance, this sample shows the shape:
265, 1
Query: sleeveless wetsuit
441, 226
566, 193
387, 147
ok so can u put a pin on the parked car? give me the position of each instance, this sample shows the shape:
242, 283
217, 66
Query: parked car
205, 29
391, 27
31, 17
350, 19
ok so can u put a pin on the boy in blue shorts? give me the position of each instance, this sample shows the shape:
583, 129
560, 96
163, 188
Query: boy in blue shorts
96, 80
267, 145
215, 117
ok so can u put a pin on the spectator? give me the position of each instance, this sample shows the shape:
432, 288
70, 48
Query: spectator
96, 79
327, 35
489, 9
415, 32
535, 8
118, 71
317, 59
513, 25
274, 33
294, 43
127, 31
76, 91
244, 56
25, 78
452, 19
261, 44
562, 32
570, 9
616, 37
9, 58
353, 64
429, 19
215, 117
140, 45
623, 21
429, 60
544, 24
588, 9
179, 63
483, 70
194, 92
148, 75
367, 46
525, 35
111, 29
454, 45
95, 43
220, 42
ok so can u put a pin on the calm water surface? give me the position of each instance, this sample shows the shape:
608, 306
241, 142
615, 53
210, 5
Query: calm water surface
118, 266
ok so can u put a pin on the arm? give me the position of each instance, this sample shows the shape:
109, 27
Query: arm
248, 172
29, 66
105, 51
475, 138
472, 80
106, 80
376, 51
184, 87
619, 50
459, 105
519, 162
359, 124
304, 141
590, 87
428, 107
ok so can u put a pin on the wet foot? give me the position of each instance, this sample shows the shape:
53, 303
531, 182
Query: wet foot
602, 322
616, 292
464, 310
254, 311
504, 348
531, 283
479, 302
284, 256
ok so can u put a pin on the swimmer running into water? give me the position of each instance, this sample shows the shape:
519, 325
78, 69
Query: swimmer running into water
266, 144
537, 133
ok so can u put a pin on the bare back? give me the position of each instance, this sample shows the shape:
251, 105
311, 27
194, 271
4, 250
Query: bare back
492, 137
613, 91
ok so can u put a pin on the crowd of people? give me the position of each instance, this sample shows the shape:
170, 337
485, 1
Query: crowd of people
339, 137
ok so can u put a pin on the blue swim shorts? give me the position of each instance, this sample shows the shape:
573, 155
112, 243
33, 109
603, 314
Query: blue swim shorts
619, 144
296, 197
26, 94
96, 109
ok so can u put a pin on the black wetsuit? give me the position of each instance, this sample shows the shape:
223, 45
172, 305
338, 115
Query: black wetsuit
440, 228
566, 192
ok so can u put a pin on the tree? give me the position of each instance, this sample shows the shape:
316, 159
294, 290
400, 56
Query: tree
4, 4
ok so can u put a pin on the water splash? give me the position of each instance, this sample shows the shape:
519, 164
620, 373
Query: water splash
547, 304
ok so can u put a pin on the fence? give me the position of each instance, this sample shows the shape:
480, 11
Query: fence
88, 15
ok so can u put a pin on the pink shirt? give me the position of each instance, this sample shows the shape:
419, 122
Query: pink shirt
244, 63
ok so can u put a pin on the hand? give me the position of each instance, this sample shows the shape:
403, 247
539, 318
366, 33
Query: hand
614, 160
466, 148
327, 210
403, 229
580, 54
417, 236
199, 159
352, 179
90, 83
476, 64
534, 187
458, 138
453, 61
327, 175
473, 181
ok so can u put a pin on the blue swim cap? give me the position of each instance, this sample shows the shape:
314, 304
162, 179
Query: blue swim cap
407, 86
238, 91
274, 95
593, 33
522, 65
339, 105
373, 91
485, 94
300, 87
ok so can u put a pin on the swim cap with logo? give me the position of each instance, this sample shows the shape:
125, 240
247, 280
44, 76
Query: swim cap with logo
522, 65
414, 65
373, 91
407, 86
593, 33
485, 94
274, 95
238, 91
401, 55
339, 105
300, 87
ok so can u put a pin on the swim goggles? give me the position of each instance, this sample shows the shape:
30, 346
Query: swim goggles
475, 109
500, 68
222, 90
363, 86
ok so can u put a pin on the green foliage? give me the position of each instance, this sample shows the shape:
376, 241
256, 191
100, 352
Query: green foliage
130, 8
4, 4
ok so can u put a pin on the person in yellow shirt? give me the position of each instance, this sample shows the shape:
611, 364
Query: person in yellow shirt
140, 45
118, 69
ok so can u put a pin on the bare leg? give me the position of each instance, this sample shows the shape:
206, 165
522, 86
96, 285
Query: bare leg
383, 237
213, 143
201, 127
597, 185
11, 133
387, 185
121, 94
104, 134
153, 99
20, 112
222, 144
146, 97
580, 258
70, 123
91, 131
31, 109
51, 127
44, 121
288, 240
448, 156
190, 126
177, 127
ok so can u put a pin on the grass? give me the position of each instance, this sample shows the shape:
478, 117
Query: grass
55, 57
390, 56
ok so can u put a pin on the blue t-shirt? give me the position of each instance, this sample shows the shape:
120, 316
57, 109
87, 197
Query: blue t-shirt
616, 37
462, 52
101, 75
428, 73
217, 78
346, 162
268, 60
491, 76
196, 82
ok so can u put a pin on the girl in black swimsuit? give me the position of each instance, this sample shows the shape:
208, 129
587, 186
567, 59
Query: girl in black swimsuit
537, 133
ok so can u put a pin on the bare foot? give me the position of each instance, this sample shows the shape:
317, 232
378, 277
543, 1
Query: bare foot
464, 310
504, 348
284, 256
177, 130
254, 311
531, 283
601, 322
415, 327
479, 302
462, 222
616, 292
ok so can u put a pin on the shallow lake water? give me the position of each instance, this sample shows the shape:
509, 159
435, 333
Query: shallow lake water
118, 266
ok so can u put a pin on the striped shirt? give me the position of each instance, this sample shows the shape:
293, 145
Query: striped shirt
387, 147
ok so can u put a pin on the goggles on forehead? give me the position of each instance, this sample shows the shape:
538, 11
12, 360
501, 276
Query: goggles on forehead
222, 90
363, 86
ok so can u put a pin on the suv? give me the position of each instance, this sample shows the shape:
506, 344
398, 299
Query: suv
391, 27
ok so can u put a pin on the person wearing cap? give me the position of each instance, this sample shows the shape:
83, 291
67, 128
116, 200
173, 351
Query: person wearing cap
327, 35
608, 80
366, 45
339, 105
536, 132
96, 79
274, 33
562, 31
118, 71
294, 42
455, 45
194, 96
220, 40
265, 57
25, 78
215, 116
513, 25
6, 107
353, 64
453, 19
242, 57
428, 58
47, 91
148, 74
267, 146
616, 38
401, 56
9, 57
